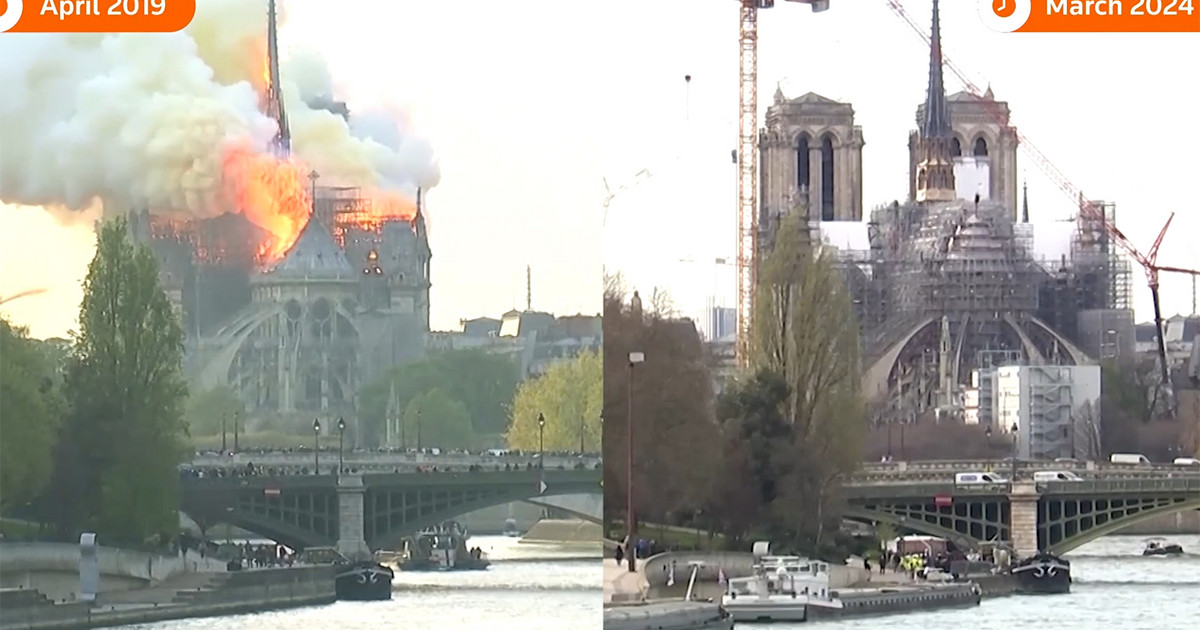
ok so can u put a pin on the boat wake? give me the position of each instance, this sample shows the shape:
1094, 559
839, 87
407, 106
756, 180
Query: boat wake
1153, 583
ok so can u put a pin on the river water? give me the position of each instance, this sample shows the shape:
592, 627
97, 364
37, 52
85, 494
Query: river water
1114, 588
531, 587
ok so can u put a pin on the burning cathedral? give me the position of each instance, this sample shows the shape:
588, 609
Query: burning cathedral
295, 328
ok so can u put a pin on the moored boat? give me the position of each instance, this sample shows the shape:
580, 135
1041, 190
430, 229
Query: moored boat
1043, 573
354, 580
782, 588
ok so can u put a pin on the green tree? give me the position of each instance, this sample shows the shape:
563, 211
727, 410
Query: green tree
676, 441
31, 406
434, 419
569, 396
483, 382
207, 411
115, 470
804, 334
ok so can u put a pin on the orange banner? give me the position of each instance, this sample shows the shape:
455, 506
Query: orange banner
95, 16
1090, 16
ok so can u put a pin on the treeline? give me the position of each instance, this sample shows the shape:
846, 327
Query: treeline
766, 458
93, 430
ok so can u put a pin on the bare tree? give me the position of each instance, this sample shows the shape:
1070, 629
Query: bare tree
1085, 441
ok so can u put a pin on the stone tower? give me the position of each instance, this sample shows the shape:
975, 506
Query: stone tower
981, 133
931, 147
811, 155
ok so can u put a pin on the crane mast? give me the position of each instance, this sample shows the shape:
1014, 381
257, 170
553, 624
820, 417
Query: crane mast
747, 185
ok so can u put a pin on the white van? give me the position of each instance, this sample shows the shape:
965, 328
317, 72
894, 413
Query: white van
978, 477
1056, 475
1128, 458
1186, 461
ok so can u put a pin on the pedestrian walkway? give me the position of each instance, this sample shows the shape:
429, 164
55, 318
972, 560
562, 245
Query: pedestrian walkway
622, 586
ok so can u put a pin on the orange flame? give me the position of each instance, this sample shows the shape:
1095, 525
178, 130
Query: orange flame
272, 193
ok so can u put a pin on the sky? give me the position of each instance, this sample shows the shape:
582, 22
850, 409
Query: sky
531, 106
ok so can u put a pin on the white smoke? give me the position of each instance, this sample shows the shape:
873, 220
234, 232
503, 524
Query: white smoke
142, 120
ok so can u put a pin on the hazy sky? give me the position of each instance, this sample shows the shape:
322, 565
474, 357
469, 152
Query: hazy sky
529, 104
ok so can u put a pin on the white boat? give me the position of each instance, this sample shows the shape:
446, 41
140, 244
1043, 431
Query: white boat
782, 588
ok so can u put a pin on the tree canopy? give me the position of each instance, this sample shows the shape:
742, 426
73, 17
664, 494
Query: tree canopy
207, 410
569, 397
120, 443
483, 382
676, 442
31, 406
434, 419
795, 423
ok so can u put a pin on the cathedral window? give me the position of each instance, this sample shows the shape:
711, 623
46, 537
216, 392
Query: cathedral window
981, 147
827, 185
802, 165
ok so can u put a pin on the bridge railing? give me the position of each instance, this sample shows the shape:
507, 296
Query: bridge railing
973, 465
1185, 485
381, 460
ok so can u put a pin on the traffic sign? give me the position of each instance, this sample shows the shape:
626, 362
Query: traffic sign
542, 487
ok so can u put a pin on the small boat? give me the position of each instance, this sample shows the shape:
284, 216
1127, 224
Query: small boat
1160, 547
443, 548
355, 580
510, 528
1043, 573
782, 588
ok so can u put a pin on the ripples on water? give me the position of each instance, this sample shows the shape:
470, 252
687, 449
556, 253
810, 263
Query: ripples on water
556, 594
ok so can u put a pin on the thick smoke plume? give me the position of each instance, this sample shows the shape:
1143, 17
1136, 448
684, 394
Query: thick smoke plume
157, 121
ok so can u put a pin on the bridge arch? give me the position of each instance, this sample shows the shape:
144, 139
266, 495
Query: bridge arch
950, 530
1161, 507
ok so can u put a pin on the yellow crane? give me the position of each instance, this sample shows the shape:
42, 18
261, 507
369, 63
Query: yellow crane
747, 160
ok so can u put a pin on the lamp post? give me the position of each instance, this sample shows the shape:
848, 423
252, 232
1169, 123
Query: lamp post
341, 425
581, 428
418, 430
223, 449
237, 416
1015, 439
316, 446
541, 441
630, 519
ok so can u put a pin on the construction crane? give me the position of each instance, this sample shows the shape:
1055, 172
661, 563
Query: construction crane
1088, 209
747, 160
21, 294
610, 194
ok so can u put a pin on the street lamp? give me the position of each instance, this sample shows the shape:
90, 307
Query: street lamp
223, 448
418, 430
581, 423
541, 441
316, 446
630, 527
237, 416
341, 425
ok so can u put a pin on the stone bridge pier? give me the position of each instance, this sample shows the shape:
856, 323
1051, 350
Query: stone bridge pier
350, 542
1023, 501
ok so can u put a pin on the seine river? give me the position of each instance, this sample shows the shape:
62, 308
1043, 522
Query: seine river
1115, 587
526, 588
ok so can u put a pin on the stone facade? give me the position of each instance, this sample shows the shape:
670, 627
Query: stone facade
811, 152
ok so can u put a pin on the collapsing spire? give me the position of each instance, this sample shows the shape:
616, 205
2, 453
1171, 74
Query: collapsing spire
937, 110
282, 143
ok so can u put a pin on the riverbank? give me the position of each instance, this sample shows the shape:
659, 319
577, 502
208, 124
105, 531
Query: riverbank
182, 597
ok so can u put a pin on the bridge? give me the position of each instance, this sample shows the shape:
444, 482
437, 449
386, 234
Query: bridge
1031, 516
388, 460
357, 511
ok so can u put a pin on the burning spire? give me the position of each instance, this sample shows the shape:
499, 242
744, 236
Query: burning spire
282, 143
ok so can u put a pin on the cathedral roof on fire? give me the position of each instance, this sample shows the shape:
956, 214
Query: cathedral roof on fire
314, 255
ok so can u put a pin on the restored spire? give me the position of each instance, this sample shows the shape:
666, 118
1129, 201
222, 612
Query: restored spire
1025, 202
282, 143
937, 111
935, 142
